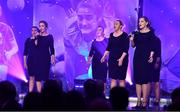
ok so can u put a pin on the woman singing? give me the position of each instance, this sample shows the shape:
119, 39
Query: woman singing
30, 56
98, 47
45, 46
117, 49
143, 40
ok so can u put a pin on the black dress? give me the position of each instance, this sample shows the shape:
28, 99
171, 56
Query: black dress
144, 43
99, 70
156, 74
45, 48
117, 46
30, 50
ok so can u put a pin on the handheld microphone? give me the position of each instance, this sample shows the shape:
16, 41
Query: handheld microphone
134, 33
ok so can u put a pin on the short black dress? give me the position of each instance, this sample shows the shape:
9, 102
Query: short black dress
30, 50
116, 47
99, 70
143, 70
45, 48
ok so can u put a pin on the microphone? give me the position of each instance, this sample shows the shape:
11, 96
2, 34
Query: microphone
135, 32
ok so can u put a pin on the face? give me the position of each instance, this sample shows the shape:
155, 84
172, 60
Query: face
99, 32
87, 20
117, 26
142, 23
34, 32
42, 27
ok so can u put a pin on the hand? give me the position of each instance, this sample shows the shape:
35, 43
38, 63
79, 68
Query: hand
36, 42
120, 62
150, 59
8, 55
103, 59
53, 59
131, 37
156, 66
89, 60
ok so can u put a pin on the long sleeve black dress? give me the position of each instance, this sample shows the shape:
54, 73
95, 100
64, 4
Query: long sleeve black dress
45, 48
144, 43
99, 70
117, 46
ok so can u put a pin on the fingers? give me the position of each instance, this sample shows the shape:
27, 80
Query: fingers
119, 64
150, 60
102, 60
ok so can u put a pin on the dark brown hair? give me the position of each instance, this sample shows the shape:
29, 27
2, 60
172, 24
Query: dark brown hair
44, 22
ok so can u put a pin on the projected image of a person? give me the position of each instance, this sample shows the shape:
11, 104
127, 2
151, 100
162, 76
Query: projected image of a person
143, 60
80, 32
8, 47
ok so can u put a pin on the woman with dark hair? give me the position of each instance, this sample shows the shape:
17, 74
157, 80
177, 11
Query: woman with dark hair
99, 70
30, 56
45, 56
143, 40
117, 49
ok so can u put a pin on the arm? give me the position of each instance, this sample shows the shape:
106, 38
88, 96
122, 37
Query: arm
126, 48
132, 40
91, 53
106, 53
153, 49
25, 53
125, 51
158, 60
158, 53
25, 62
52, 51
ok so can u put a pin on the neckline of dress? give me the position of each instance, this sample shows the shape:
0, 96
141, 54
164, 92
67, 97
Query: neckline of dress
118, 35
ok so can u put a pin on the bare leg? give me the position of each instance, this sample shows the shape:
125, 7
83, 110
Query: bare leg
122, 83
113, 83
31, 83
104, 88
39, 86
157, 91
145, 91
138, 93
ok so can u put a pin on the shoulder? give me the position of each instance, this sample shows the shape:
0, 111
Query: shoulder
157, 39
111, 34
125, 34
50, 35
